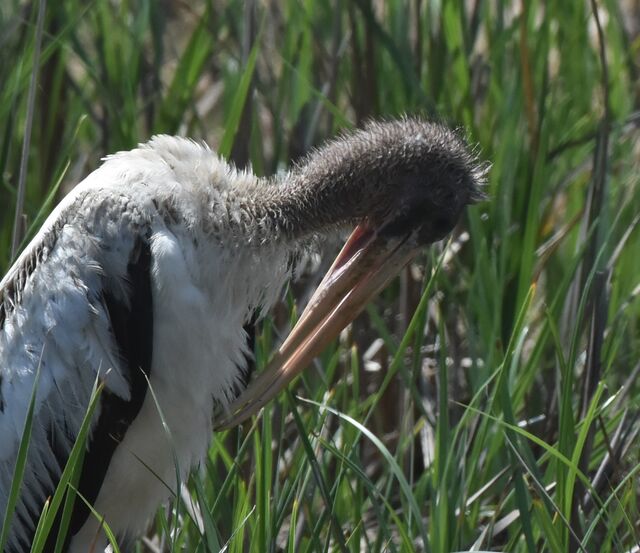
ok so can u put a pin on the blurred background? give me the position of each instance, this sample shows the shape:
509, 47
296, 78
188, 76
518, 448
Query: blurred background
488, 400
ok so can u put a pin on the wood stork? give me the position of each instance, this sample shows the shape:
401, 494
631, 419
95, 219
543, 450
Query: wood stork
149, 268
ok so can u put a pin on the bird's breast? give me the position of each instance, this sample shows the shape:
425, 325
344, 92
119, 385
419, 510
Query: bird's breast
201, 300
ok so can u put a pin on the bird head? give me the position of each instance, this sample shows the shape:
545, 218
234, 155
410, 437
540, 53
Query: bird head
404, 184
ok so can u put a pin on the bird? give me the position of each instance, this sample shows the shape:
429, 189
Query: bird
143, 277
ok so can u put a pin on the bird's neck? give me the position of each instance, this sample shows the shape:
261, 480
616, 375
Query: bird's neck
300, 205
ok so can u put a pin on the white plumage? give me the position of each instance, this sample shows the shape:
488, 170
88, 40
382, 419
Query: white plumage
61, 323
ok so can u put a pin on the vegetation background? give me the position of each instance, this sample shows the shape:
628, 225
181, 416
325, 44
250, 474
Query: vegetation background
488, 400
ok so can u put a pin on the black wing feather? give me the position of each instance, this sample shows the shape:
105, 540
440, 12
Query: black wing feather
132, 328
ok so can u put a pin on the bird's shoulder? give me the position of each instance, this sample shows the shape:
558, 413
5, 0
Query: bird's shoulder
52, 301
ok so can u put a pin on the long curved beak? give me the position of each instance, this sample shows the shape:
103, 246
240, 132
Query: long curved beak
363, 267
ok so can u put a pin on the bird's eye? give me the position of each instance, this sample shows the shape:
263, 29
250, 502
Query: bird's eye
405, 222
436, 228
441, 226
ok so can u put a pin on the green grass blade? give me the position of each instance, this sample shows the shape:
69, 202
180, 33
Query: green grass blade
21, 461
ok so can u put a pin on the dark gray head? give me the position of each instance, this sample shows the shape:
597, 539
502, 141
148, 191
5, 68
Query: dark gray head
407, 176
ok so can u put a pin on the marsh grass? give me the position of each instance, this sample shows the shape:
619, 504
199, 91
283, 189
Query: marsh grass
499, 407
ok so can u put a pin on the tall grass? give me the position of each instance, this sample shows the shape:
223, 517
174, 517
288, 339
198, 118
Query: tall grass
488, 398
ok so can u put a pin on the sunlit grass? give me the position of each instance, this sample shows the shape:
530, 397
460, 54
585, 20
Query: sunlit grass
499, 411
